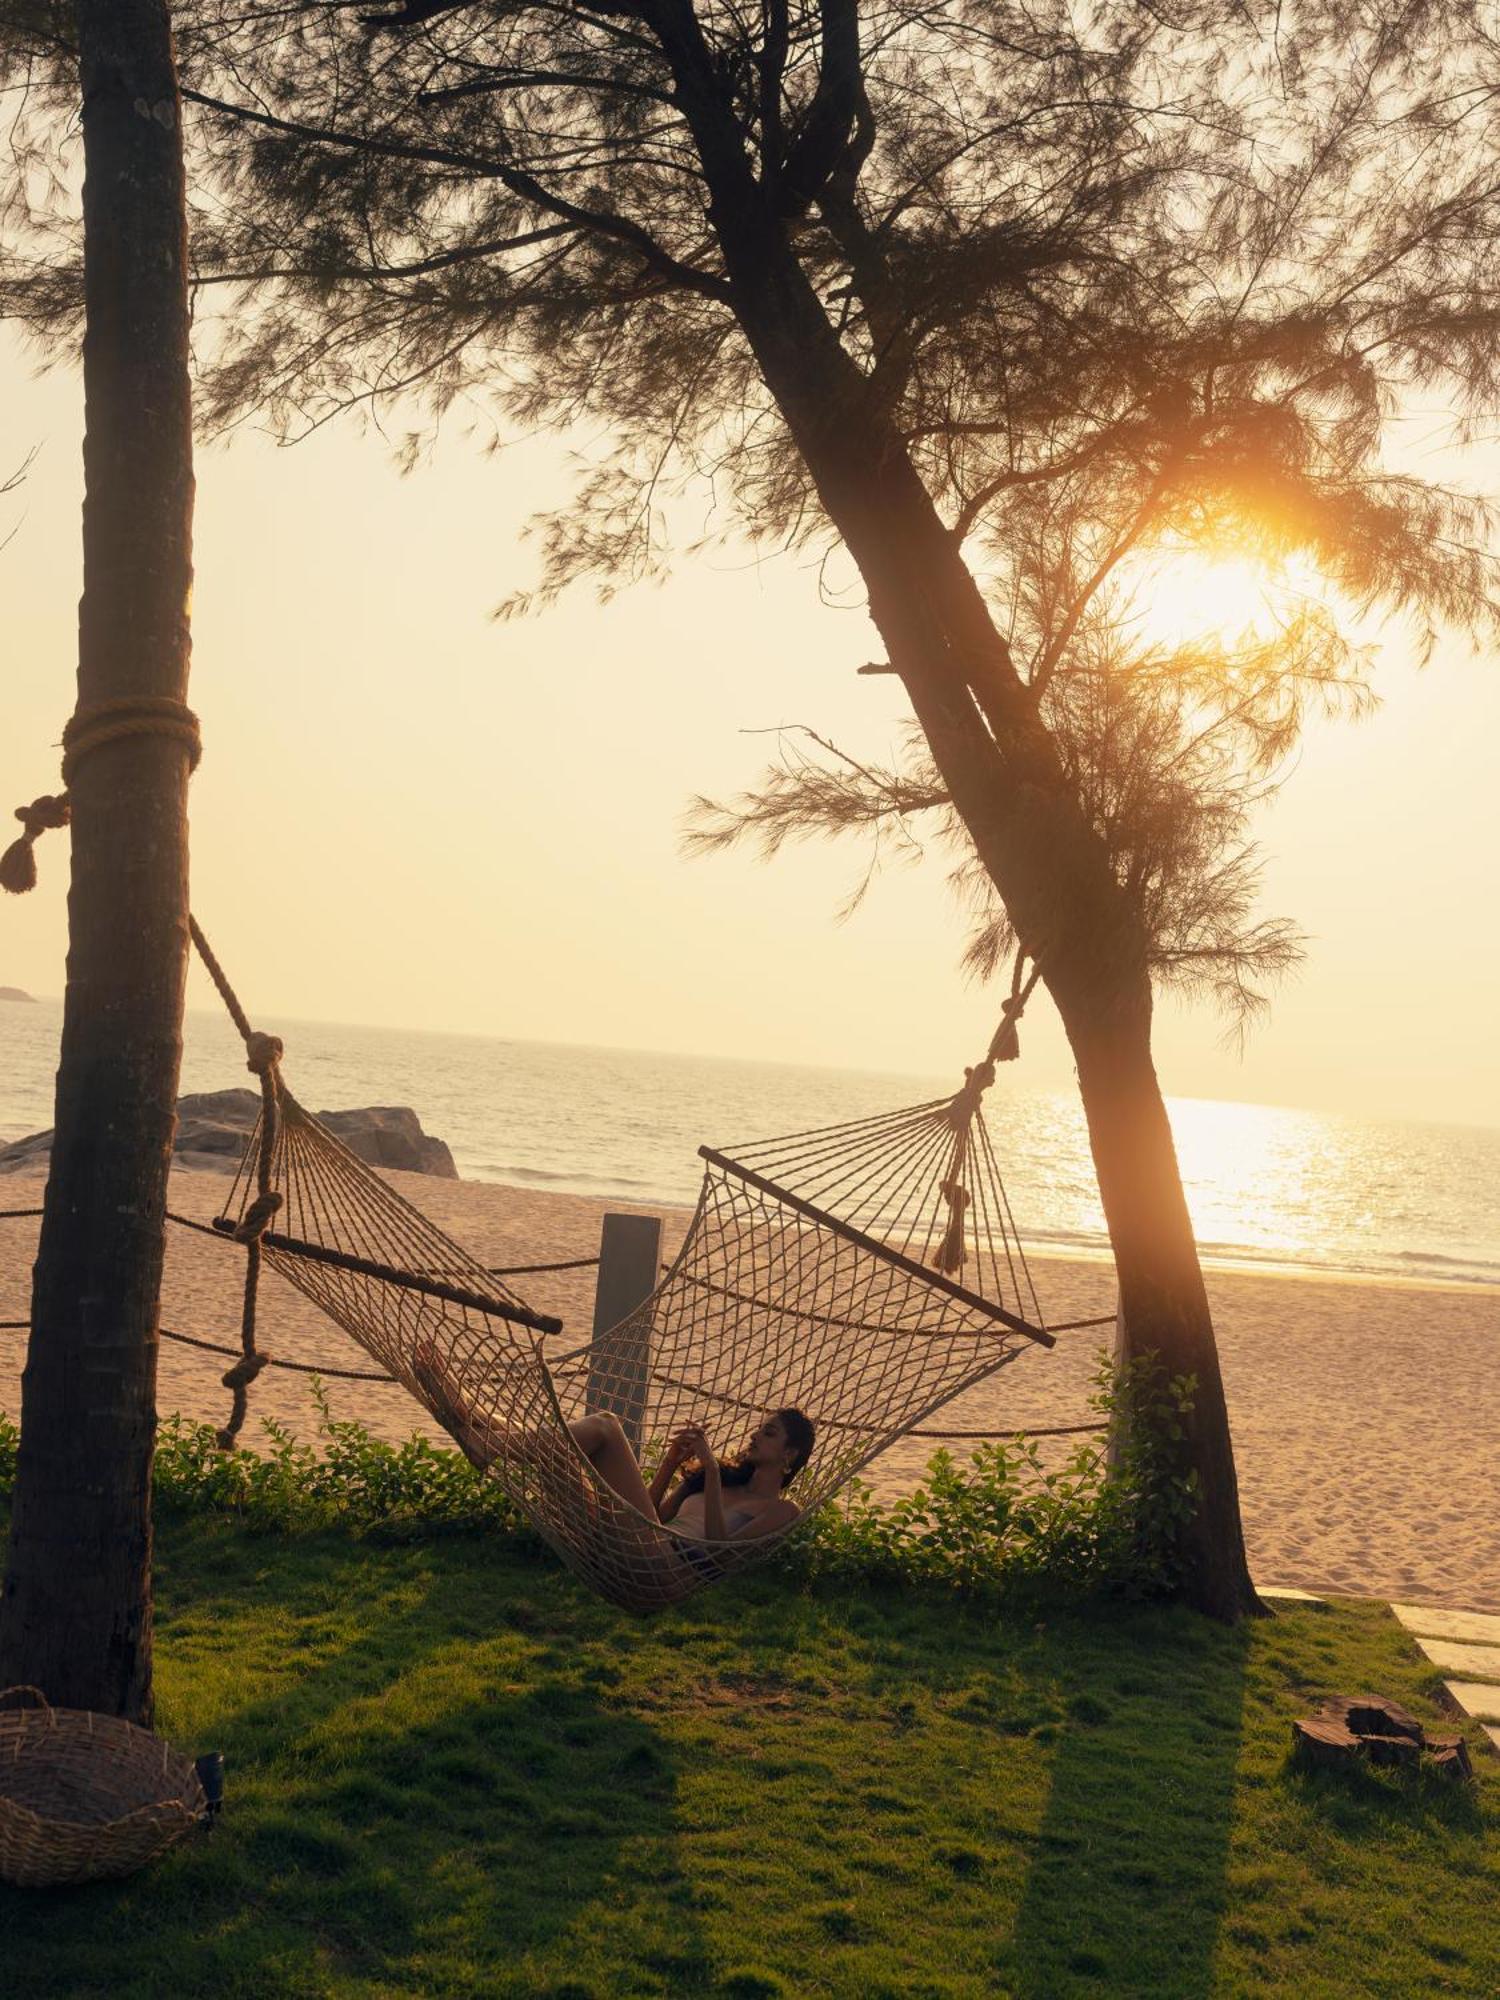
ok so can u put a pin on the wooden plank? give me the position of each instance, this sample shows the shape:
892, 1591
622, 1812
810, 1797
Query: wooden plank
1431, 1621
1480, 1663
410, 1281
878, 1249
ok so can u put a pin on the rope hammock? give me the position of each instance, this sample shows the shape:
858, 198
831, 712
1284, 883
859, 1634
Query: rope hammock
866, 1273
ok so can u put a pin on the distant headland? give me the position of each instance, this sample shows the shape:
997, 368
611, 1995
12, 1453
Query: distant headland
15, 993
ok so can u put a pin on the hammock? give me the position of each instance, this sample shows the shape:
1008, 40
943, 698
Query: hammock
866, 1272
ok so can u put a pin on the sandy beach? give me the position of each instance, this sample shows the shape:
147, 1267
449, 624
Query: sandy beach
1365, 1414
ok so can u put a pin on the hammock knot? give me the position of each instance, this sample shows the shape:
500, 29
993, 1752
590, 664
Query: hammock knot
263, 1053
1006, 1047
258, 1217
245, 1370
966, 1101
18, 863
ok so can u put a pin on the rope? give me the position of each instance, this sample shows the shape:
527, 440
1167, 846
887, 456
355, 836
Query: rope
135, 715
358, 1375
216, 973
262, 1058
493, 1270
1057, 1431
214, 1347
89, 729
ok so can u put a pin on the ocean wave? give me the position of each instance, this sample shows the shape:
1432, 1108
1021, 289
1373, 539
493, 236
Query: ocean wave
1436, 1265
1436, 1257
572, 1182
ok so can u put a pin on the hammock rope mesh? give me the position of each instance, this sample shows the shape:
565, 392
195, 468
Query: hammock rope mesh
770, 1301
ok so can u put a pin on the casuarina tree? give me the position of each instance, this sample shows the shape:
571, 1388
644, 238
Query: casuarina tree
76, 1613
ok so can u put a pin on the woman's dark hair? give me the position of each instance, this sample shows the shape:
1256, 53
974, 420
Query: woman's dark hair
801, 1435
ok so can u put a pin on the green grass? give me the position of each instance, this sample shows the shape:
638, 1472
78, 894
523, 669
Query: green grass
450, 1772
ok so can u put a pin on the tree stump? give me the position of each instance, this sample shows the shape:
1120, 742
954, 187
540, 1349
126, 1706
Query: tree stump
1322, 1744
1450, 1757
1366, 1728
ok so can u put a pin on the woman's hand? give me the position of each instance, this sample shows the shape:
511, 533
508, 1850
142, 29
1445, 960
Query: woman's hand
693, 1440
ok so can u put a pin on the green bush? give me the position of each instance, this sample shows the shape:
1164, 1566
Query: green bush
998, 1520
1001, 1519
346, 1476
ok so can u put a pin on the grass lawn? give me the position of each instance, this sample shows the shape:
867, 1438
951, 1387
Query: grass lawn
450, 1772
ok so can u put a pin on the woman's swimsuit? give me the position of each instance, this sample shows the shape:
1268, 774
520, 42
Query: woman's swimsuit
699, 1556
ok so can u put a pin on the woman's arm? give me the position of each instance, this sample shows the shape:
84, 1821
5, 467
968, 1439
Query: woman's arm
666, 1472
703, 1451
697, 1443
780, 1514
714, 1528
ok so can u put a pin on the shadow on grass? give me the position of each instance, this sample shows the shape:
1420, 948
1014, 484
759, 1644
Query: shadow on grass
1126, 1888
394, 1807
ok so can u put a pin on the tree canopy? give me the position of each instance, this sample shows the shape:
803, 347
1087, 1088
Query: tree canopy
1119, 278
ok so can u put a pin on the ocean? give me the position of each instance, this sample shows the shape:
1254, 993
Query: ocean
1267, 1185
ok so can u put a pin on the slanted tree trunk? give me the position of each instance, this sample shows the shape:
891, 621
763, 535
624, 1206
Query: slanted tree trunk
1078, 924
76, 1612
1164, 1306
1006, 781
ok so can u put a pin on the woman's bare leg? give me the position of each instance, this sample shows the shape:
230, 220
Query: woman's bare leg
454, 1410
599, 1437
603, 1442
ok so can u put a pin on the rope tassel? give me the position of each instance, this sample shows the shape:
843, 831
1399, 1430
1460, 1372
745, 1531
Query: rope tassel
18, 862
950, 1256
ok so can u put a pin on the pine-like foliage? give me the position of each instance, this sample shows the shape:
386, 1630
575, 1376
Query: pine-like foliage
1119, 278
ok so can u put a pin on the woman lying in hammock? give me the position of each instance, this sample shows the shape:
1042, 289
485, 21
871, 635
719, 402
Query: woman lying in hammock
700, 1502
710, 1501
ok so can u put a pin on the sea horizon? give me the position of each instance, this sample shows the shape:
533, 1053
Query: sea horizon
1270, 1186
327, 1024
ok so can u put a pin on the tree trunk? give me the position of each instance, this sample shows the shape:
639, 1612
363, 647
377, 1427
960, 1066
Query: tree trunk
1164, 1306
76, 1613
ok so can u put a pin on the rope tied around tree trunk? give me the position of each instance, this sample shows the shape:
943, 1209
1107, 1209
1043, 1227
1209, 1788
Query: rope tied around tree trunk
263, 1055
89, 730
1005, 1046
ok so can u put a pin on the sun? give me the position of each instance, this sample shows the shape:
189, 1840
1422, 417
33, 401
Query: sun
1184, 598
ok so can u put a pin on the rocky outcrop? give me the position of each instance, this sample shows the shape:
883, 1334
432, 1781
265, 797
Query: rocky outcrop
15, 993
391, 1135
212, 1127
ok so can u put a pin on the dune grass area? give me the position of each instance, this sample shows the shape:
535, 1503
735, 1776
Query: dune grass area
449, 1771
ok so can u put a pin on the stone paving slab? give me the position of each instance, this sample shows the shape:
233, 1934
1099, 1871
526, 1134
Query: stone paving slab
1470, 1628
1483, 1703
1481, 1662
1282, 1593
1492, 1730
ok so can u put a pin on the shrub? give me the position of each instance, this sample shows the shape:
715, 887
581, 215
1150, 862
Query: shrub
998, 1520
1001, 1518
347, 1476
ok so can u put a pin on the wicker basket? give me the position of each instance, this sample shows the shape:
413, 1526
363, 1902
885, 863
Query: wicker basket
84, 1795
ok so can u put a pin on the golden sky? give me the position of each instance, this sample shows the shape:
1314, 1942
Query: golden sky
411, 816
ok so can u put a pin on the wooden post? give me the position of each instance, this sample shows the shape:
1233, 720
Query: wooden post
629, 1259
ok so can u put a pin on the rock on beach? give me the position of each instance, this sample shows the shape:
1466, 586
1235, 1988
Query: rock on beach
212, 1127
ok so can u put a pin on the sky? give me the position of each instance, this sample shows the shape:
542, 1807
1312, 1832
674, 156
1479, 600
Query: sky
411, 815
